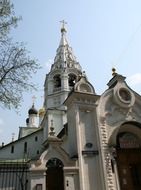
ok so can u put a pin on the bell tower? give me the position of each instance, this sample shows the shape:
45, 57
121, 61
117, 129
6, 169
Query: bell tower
64, 73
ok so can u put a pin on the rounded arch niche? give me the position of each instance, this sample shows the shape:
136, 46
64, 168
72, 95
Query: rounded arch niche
128, 156
128, 140
131, 127
54, 174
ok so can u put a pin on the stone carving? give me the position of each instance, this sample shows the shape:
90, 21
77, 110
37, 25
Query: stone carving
38, 163
113, 113
103, 120
129, 115
107, 158
124, 97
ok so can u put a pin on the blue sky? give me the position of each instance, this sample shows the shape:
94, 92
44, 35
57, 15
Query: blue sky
102, 33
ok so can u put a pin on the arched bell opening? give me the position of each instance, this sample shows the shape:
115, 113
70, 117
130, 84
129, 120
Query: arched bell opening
128, 156
72, 79
54, 175
57, 81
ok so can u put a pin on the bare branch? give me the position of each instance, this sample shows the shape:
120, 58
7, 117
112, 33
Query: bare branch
16, 66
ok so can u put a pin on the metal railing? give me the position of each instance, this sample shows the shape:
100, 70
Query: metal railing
14, 175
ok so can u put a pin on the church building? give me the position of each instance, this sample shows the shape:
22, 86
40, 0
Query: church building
78, 140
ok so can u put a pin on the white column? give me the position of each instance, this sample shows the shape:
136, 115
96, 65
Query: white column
79, 145
64, 81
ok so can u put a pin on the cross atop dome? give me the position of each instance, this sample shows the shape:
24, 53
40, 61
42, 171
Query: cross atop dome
33, 99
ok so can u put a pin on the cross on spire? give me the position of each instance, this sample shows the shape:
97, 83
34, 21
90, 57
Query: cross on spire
63, 29
63, 23
13, 135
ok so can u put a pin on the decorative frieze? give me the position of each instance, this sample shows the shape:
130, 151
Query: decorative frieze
107, 158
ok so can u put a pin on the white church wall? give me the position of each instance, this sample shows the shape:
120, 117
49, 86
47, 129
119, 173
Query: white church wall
38, 179
88, 155
83, 138
56, 119
71, 178
17, 149
118, 105
71, 138
87, 124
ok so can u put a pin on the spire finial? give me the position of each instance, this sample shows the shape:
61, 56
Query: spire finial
33, 100
114, 71
13, 135
63, 29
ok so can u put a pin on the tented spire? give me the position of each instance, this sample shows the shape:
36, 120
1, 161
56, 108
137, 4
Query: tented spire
64, 55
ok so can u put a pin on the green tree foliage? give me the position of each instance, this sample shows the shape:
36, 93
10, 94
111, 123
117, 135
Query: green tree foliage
16, 66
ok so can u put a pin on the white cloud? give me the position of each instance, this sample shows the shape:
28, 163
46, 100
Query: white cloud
48, 64
134, 79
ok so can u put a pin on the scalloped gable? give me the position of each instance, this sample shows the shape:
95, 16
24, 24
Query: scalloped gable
84, 86
119, 103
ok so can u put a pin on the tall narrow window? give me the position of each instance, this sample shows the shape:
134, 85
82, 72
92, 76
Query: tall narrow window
36, 138
25, 147
12, 149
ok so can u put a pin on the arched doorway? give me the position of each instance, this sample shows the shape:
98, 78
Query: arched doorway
129, 161
54, 175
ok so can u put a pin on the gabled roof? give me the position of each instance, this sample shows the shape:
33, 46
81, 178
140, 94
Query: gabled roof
18, 140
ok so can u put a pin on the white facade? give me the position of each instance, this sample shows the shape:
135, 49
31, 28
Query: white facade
83, 139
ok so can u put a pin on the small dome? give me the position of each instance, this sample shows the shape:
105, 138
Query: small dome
32, 110
41, 111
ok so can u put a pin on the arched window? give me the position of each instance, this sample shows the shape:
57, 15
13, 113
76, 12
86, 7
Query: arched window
85, 88
55, 176
36, 138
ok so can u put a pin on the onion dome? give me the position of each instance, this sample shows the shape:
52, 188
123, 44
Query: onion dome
41, 111
27, 121
32, 110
